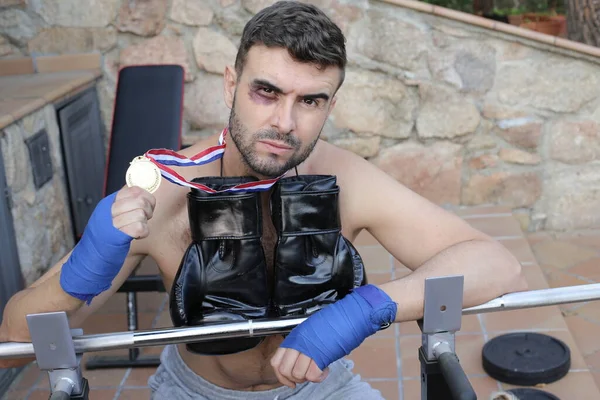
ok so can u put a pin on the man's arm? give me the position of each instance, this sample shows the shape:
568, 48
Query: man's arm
424, 237
47, 295
430, 241
93, 271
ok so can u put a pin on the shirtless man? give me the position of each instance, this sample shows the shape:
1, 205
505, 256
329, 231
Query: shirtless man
281, 90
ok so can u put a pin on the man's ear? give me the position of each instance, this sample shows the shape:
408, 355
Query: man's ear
229, 84
332, 104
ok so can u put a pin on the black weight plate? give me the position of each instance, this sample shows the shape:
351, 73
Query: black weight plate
526, 358
532, 394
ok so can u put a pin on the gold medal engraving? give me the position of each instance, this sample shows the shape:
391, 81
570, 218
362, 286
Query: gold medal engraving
143, 173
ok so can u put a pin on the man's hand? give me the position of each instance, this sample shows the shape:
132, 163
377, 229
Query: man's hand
131, 210
332, 333
292, 367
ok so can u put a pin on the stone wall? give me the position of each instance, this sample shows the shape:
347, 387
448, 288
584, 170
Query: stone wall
461, 114
41, 216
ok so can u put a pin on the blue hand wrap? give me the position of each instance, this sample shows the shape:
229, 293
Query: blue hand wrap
334, 331
98, 257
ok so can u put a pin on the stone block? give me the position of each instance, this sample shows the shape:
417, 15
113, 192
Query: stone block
432, 171
572, 197
213, 51
512, 189
142, 17
445, 114
60, 40
95, 13
375, 103
191, 12
574, 142
204, 103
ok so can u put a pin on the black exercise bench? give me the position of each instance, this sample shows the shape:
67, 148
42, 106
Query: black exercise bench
147, 114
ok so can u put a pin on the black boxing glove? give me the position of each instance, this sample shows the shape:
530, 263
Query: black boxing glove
222, 276
314, 264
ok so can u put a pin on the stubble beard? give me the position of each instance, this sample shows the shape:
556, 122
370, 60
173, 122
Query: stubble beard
271, 167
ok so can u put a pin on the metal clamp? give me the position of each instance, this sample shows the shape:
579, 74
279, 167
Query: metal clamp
52, 341
441, 372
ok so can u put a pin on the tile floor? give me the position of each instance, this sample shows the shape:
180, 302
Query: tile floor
389, 360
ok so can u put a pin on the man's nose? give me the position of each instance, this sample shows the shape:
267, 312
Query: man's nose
283, 118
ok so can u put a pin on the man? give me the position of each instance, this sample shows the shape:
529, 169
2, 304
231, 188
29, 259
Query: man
287, 73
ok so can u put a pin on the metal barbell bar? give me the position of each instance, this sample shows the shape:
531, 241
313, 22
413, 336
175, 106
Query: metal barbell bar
159, 337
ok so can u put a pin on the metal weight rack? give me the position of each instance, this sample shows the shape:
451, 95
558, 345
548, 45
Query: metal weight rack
58, 349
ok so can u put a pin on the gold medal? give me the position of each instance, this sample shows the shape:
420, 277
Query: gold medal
143, 173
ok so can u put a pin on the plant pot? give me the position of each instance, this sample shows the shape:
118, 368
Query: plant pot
553, 28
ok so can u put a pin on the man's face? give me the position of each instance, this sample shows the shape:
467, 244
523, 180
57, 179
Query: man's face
278, 109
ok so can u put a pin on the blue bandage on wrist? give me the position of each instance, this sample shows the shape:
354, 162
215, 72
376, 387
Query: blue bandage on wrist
98, 257
339, 328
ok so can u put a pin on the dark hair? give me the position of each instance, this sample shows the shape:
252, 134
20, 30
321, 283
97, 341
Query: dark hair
305, 31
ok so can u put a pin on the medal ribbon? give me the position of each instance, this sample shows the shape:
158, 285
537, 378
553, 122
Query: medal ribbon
163, 157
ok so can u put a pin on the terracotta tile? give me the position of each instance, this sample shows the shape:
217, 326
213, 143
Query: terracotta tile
16, 394
411, 389
589, 269
389, 389
379, 278
596, 376
39, 394
135, 394
365, 238
584, 239
106, 394
376, 358
139, 376
590, 311
375, 258
468, 350
152, 350
147, 267
520, 249
524, 319
29, 377
107, 323
537, 237
593, 361
484, 386
164, 320
497, 227
409, 328
470, 323
535, 278
575, 385
561, 254
585, 333
105, 377
561, 278
146, 302
409, 356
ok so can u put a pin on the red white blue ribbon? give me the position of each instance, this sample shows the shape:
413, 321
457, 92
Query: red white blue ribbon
163, 157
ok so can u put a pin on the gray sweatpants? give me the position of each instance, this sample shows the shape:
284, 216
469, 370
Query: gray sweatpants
175, 380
